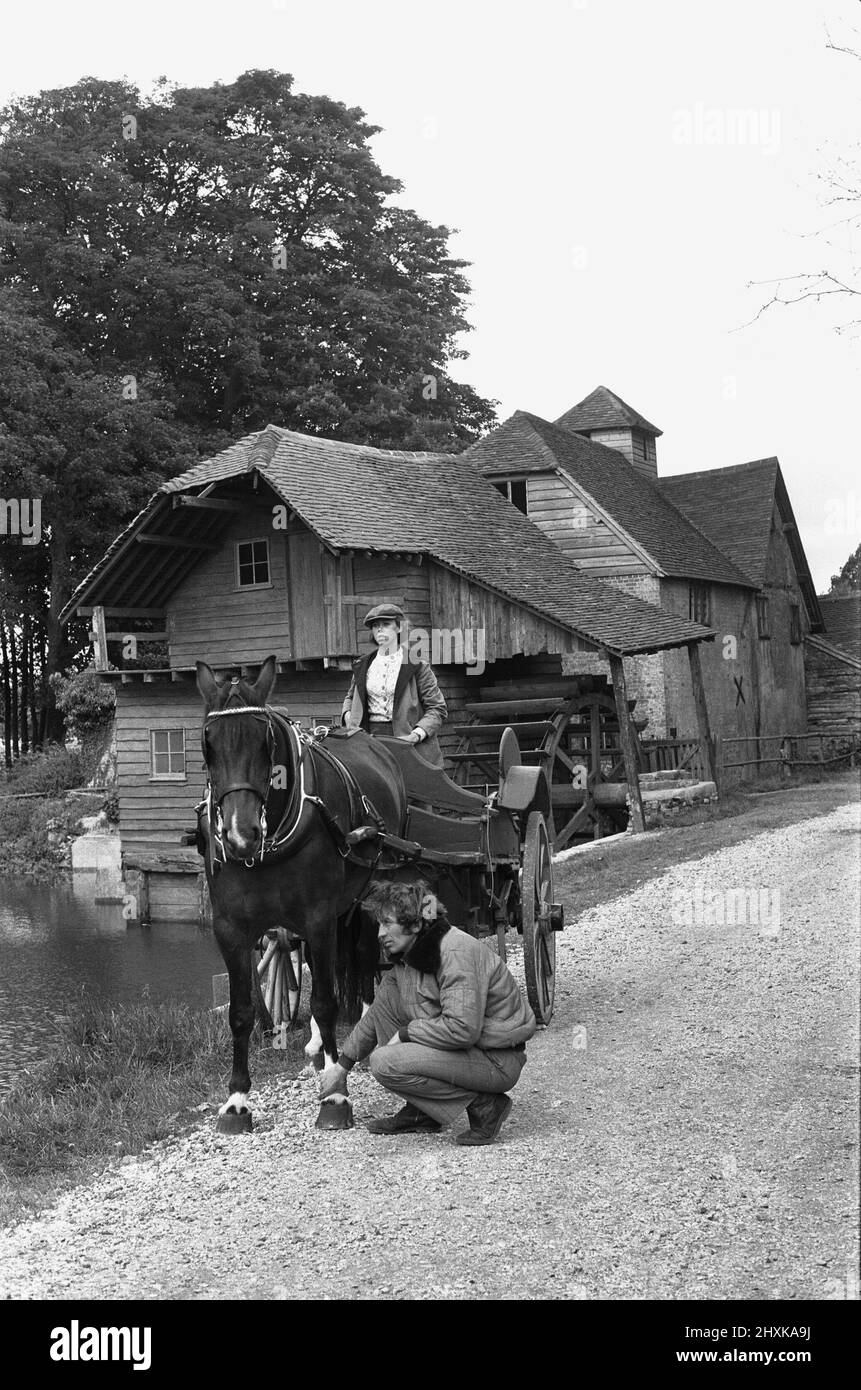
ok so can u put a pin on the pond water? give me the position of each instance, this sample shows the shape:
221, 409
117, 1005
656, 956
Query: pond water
54, 940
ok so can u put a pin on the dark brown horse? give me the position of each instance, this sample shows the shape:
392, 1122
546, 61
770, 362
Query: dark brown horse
276, 821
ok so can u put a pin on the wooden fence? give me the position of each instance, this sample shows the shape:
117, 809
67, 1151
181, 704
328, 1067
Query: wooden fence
791, 750
785, 751
673, 754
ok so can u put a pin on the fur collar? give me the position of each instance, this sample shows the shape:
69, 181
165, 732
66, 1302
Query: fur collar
424, 956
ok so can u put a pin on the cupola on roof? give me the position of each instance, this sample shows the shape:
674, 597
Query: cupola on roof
601, 410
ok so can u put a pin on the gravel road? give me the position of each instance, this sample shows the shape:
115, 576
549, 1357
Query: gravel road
686, 1128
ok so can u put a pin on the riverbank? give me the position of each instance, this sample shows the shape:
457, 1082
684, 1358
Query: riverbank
42, 803
121, 1079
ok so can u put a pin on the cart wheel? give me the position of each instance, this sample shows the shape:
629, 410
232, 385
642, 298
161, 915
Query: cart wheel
539, 940
278, 968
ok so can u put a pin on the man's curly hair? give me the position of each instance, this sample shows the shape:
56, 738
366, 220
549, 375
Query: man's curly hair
403, 901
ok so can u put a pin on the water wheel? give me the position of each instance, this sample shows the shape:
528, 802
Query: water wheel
571, 728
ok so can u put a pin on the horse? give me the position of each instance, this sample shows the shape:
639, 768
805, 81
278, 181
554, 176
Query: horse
290, 838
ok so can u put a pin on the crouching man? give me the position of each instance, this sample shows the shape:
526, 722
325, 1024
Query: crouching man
448, 1027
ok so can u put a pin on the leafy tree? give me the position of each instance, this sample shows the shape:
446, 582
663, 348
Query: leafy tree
242, 246
87, 701
848, 581
69, 441
180, 269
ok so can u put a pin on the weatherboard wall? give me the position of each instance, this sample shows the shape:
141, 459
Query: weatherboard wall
210, 618
562, 513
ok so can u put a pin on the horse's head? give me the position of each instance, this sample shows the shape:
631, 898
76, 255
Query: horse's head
237, 749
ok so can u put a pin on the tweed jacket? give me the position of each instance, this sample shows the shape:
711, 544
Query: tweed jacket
449, 992
418, 703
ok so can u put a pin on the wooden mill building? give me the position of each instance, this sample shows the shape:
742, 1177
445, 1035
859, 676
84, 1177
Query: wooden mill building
279, 544
719, 547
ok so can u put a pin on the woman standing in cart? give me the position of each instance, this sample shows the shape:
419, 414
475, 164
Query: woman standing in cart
392, 694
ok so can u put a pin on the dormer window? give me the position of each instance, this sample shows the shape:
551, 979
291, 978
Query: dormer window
252, 565
515, 492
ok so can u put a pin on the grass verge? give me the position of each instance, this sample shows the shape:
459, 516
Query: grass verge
120, 1078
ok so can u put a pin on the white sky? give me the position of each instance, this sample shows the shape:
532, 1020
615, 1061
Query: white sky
606, 247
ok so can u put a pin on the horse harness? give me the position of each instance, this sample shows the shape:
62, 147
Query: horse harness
302, 746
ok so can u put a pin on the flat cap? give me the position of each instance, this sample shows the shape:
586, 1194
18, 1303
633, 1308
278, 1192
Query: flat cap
388, 611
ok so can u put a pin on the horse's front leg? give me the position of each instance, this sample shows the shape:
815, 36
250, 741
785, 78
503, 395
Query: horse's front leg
234, 1117
336, 1112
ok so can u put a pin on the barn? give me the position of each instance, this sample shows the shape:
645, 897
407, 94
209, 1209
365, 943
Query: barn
279, 544
720, 547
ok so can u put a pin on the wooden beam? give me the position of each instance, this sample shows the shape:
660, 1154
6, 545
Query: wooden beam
100, 640
706, 747
628, 742
178, 542
154, 613
370, 599
212, 504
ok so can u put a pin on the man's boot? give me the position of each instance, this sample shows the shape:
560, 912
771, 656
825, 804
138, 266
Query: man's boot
486, 1117
410, 1120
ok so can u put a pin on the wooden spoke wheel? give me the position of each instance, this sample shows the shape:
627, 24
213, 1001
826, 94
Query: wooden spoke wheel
277, 965
539, 918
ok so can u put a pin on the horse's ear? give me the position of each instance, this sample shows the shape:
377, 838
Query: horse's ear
206, 683
262, 687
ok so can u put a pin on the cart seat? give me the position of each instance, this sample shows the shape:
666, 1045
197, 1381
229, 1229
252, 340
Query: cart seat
431, 785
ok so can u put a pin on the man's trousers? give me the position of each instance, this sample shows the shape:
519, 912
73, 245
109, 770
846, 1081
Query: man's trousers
439, 1082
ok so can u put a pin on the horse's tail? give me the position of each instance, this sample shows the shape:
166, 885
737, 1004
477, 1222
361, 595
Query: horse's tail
355, 962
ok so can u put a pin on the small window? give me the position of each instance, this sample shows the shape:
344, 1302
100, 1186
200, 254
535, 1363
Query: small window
252, 564
762, 616
518, 496
168, 753
516, 493
794, 624
700, 604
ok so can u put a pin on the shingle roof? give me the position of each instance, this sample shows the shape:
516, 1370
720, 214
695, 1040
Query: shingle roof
733, 506
526, 444
357, 497
603, 409
842, 616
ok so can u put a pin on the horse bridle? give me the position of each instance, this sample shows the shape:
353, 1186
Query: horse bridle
218, 829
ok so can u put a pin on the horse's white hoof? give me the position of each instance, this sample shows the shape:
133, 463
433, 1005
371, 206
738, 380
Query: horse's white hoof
234, 1116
